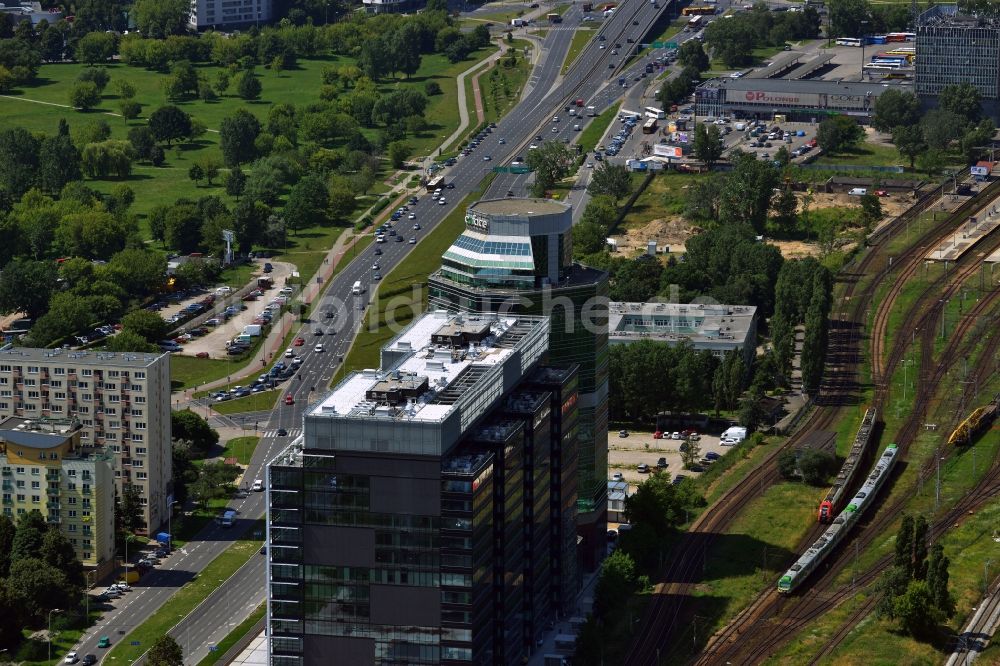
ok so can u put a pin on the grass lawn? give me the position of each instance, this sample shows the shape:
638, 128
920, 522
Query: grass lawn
241, 448
65, 634
233, 636
181, 603
866, 154
254, 402
501, 86
664, 197
189, 372
397, 287
581, 38
595, 129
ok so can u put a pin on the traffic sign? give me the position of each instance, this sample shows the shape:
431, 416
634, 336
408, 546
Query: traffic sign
520, 169
213, 648
671, 45
134, 643
657, 45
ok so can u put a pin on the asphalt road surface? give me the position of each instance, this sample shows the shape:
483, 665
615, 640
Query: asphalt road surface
233, 600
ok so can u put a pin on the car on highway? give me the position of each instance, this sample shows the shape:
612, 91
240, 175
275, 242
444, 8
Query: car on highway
376, 276
318, 349
281, 431
71, 658
317, 331
413, 240
416, 227
502, 142
289, 353
289, 399
441, 202
89, 660
378, 251
299, 342
487, 158
104, 642
258, 485
412, 216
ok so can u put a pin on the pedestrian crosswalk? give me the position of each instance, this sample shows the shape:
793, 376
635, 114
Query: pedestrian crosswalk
292, 433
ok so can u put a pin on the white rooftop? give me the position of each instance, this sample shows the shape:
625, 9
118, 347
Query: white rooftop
441, 364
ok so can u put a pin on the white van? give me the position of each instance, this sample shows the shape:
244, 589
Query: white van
858, 191
356, 289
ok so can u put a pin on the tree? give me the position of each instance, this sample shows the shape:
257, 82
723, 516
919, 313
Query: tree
909, 141
36, 587
57, 551
169, 124
307, 203
248, 87
165, 652
128, 510
97, 75
788, 464
891, 585
871, 209
142, 141
816, 466
432, 88
7, 531
611, 180
188, 426
210, 166
550, 163
124, 88
616, 582
690, 452
839, 133
847, 17
95, 47
196, 174
28, 537
940, 127
58, 162
785, 209
895, 108
130, 109
937, 581
238, 134
160, 18
235, 181
107, 158
691, 54
26, 286
915, 610
746, 196
702, 202
751, 414
84, 95
398, 151
707, 144
962, 99
146, 324
920, 528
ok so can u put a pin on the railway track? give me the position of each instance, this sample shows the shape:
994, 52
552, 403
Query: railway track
661, 617
777, 618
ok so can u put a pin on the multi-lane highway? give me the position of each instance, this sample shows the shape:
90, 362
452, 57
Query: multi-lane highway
234, 598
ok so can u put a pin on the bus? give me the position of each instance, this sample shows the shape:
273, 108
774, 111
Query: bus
554, 18
654, 112
849, 41
434, 183
885, 69
694, 23
625, 114
885, 57
901, 37
698, 11
649, 127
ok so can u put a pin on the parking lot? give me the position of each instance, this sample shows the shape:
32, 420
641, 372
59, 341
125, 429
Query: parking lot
625, 454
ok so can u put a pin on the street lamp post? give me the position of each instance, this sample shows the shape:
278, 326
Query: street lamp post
54, 610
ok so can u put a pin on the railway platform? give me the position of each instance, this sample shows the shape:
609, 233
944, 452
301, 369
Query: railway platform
965, 237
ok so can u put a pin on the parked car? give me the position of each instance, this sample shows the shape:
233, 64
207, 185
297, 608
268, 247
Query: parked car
623, 433
642, 468
661, 463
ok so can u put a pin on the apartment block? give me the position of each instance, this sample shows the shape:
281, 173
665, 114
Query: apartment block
46, 469
121, 401
228, 13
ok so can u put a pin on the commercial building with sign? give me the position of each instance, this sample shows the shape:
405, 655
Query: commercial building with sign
798, 100
46, 469
426, 514
958, 48
515, 255
719, 329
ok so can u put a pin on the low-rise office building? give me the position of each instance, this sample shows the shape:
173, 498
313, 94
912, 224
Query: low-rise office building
802, 100
46, 469
425, 515
719, 329
229, 13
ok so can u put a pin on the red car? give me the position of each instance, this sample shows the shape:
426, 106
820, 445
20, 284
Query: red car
657, 435
249, 297
299, 342
289, 400
881, 193
202, 354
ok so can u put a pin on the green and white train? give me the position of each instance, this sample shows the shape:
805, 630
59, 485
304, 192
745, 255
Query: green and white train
842, 524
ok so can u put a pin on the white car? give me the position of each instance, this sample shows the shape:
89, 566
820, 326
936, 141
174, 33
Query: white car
71, 658
289, 353
590, 165
412, 216
286, 290
318, 349
442, 202
258, 485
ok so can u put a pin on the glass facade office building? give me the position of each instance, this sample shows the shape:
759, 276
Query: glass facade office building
420, 519
958, 48
515, 255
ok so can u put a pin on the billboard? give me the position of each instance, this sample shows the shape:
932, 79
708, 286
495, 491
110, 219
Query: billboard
661, 150
838, 100
980, 170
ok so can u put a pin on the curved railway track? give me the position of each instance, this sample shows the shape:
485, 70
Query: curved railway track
661, 617
791, 614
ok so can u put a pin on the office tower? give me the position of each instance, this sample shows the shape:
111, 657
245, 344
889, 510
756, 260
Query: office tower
516, 256
953, 47
46, 469
398, 524
121, 401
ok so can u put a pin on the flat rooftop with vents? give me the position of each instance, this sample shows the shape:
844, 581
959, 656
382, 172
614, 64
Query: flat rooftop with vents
717, 328
437, 377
